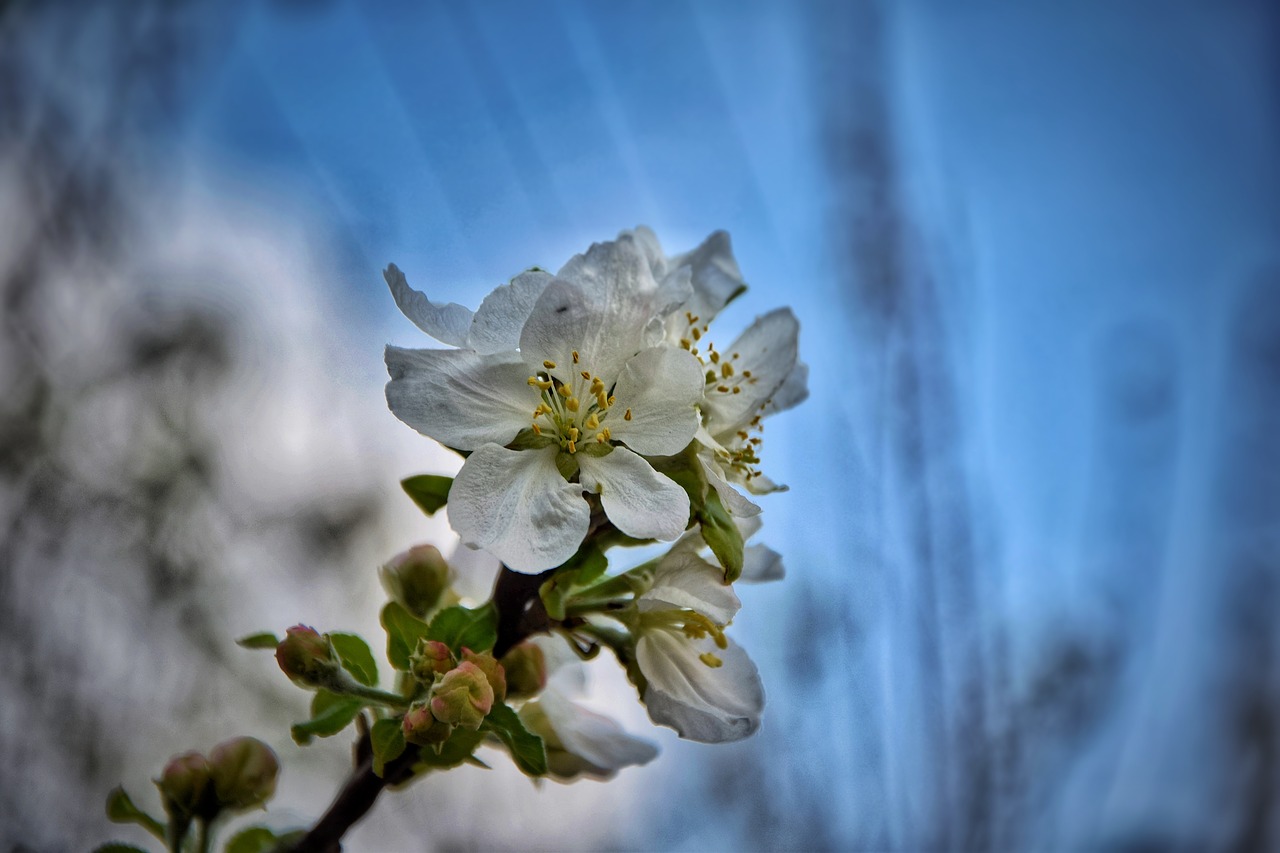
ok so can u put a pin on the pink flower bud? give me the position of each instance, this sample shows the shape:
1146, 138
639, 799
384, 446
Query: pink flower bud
492, 670
526, 670
421, 726
463, 697
243, 771
183, 784
305, 655
432, 658
416, 579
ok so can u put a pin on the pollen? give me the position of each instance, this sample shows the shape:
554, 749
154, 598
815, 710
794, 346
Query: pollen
627, 415
549, 365
715, 356
541, 384
697, 333
573, 448
711, 660
601, 438
593, 422
601, 401
571, 404
723, 389
685, 343
585, 375
575, 356
564, 391
726, 370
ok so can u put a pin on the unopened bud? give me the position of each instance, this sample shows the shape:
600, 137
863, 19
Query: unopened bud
416, 579
421, 726
463, 697
526, 670
183, 784
306, 656
431, 658
243, 771
493, 671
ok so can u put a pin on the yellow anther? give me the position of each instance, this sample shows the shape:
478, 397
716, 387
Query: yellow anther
586, 375
601, 438
736, 355
694, 350
549, 365
723, 389
737, 389
544, 409
571, 404
601, 401
537, 430
596, 385
592, 421
685, 343
541, 384
746, 374
573, 447
726, 370
564, 391
697, 333
607, 435
715, 356
742, 434
575, 356
573, 433
612, 399
710, 660
627, 415
688, 315
711, 376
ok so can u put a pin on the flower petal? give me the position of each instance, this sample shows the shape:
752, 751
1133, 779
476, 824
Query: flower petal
458, 397
516, 505
685, 580
597, 739
638, 500
761, 564
660, 387
711, 705
716, 278
733, 500
598, 306
793, 391
447, 323
768, 350
500, 317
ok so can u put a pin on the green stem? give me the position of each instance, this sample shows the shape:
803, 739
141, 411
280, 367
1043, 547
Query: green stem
373, 694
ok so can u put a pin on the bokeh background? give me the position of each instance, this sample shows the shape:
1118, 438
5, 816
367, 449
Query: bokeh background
1033, 532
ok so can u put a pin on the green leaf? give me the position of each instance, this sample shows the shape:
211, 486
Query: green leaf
458, 626
722, 535
260, 839
429, 491
582, 570
330, 714
265, 640
403, 632
456, 750
115, 847
387, 738
527, 439
356, 658
526, 748
120, 809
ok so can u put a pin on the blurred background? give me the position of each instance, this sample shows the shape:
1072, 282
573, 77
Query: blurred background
1033, 532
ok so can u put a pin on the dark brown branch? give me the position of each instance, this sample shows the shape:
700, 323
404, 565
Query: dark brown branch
520, 615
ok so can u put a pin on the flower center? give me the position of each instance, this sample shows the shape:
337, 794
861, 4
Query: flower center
573, 410
693, 625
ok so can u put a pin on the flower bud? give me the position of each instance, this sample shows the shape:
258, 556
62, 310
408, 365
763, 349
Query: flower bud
492, 670
243, 771
306, 656
463, 697
183, 784
526, 670
432, 658
416, 579
421, 726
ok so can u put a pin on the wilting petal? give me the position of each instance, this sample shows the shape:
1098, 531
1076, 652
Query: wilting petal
458, 397
761, 564
516, 505
596, 739
659, 387
733, 500
702, 703
500, 317
638, 500
447, 323
768, 350
685, 580
598, 306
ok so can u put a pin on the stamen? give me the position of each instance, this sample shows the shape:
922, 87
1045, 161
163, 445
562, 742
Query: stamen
627, 416
715, 356
685, 343
586, 375
575, 356
697, 334
593, 422
723, 389
572, 404
563, 391
601, 401
726, 370
549, 365
537, 430
711, 660
573, 448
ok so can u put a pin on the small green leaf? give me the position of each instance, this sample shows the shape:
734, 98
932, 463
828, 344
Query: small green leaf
581, 571
458, 626
527, 439
114, 847
260, 839
387, 738
429, 491
356, 658
330, 714
120, 809
526, 748
456, 750
722, 535
265, 640
403, 632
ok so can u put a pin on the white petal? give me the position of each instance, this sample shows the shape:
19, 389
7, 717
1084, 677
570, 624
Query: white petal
716, 278
447, 323
474, 572
685, 580
660, 387
499, 319
595, 738
733, 500
762, 485
460, 398
793, 391
768, 350
516, 505
598, 306
761, 564
650, 249
701, 703
638, 500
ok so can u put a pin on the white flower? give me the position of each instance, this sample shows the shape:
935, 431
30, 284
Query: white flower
760, 563
698, 681
754, 377
584, 391
580, 742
